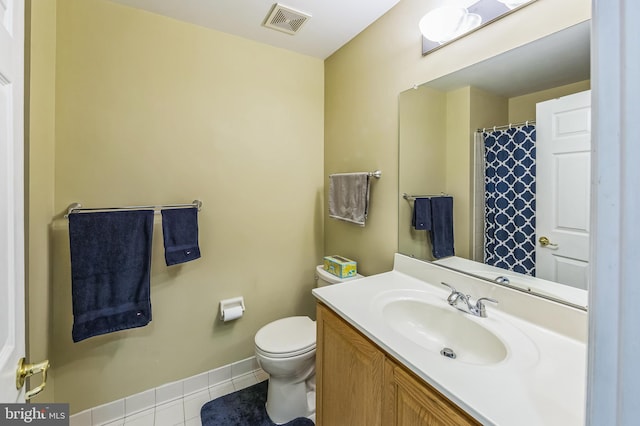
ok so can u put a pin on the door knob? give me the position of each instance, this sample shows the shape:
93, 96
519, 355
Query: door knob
28, 370
544, 242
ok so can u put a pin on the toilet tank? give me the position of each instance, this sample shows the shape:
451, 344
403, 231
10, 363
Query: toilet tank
324, 278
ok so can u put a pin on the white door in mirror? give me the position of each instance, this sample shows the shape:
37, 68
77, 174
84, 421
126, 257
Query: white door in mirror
563, 185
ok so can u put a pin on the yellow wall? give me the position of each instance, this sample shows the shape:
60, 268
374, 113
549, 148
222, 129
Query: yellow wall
40, 176
422, 128
523, 108
362, 83
487, 109
149, 110
458, 164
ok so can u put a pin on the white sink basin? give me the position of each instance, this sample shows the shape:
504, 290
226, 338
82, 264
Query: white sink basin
443, 328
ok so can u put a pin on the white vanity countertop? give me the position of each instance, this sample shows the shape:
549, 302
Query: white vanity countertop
541, 381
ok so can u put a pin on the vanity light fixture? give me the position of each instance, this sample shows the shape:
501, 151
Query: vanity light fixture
512, 4
443, 24
448, 22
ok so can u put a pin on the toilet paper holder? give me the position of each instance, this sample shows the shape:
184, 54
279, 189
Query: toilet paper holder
233, 303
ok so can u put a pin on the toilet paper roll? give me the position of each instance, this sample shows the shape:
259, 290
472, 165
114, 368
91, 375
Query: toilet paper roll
231, 313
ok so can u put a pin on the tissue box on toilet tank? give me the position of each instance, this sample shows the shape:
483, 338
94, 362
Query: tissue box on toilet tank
340, 266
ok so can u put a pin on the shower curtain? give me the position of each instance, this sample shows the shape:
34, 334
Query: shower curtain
510, 188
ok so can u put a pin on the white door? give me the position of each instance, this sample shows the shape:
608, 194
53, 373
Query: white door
12, 320
563, 165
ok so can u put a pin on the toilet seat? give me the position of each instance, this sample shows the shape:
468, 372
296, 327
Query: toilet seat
286, 337
274, 355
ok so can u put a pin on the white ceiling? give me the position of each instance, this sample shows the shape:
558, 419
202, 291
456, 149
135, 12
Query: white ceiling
333, 22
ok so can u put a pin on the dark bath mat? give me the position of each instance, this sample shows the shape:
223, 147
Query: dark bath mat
243, 408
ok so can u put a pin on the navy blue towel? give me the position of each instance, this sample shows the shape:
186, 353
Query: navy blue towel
110, 271
442, 226
180, 234
421, 220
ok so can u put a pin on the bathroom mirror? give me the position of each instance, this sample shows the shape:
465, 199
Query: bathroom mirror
438, 121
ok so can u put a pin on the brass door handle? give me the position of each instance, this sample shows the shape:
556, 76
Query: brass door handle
28, 370
544, 242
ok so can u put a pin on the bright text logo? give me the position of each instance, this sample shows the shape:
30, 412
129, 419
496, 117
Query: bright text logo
34, 414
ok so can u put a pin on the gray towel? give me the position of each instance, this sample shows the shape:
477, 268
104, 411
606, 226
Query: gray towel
349, 197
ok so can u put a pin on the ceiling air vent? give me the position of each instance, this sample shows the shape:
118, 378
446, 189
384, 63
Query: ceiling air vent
285, 19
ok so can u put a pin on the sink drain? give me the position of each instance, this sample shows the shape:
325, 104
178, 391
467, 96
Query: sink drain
448, 352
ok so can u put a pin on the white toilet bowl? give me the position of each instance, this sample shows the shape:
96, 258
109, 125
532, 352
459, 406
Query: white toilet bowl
286, 350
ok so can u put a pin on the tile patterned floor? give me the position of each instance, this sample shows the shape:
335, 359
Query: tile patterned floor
185, 411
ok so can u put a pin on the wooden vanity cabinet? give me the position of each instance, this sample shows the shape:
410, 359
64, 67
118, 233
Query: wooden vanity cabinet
410, 401
349, 374
359, 384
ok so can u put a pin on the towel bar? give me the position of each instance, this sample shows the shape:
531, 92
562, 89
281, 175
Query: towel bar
77, 208
377, 174
413, 197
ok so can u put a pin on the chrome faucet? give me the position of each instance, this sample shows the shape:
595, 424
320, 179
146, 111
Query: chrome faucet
502, 280
478, 309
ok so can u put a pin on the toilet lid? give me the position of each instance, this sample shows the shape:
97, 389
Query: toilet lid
287, 336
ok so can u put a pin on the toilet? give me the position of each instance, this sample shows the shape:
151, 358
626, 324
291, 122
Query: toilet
286, 350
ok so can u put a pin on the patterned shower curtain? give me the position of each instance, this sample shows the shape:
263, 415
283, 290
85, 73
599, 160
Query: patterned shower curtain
510, 188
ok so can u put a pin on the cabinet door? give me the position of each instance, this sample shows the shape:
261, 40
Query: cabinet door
349, 374
411, 402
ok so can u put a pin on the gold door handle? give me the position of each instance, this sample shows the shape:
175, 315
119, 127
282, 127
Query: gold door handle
28, 370
544, 242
